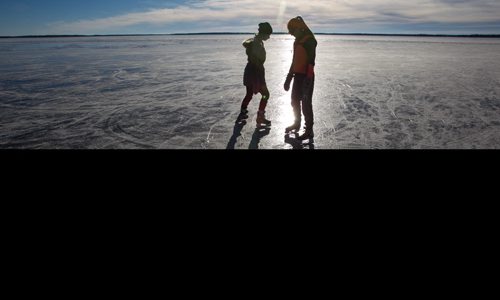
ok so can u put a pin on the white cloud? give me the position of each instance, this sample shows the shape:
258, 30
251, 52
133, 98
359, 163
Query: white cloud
323, 15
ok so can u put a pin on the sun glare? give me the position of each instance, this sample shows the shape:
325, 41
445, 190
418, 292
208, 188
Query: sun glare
281, 13
286, 55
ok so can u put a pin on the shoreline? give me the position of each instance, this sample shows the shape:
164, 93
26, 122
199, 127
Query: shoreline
247, 33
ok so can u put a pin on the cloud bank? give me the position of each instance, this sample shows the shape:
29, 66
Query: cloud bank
321, 15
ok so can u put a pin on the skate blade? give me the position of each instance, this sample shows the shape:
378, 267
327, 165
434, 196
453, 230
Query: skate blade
305, 138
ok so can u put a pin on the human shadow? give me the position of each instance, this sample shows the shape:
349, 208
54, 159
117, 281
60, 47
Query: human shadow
238, 126
291, 139
258, 134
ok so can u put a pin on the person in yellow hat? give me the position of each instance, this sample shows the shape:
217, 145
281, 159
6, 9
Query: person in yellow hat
254, 77
302, 74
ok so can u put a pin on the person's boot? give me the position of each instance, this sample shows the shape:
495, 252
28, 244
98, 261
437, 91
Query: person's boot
294, 127
261, 119
308, 134
243, 114
297, 120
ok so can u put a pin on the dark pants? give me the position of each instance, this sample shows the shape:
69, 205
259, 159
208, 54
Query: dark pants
301, 98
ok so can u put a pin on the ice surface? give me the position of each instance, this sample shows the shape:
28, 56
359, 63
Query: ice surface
184, 92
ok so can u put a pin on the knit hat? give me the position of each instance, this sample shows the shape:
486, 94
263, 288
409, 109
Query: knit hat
296, 23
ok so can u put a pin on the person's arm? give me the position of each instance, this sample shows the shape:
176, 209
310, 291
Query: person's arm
289, 78
310, 46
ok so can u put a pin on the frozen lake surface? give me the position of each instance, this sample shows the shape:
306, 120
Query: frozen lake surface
184, 92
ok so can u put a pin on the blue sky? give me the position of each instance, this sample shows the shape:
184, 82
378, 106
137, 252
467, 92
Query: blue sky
38, 17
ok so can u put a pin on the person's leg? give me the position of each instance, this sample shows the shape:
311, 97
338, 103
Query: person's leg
265, 97
248, 82
261, 117
307, 109
247, 99
296, 98
245, 102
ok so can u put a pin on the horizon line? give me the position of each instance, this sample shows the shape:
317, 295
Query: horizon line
240, 33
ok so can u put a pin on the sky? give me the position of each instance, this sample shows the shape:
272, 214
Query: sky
49, 17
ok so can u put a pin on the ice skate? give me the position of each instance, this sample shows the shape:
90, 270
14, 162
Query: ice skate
261, 119
294, 127
243, 114
308, 134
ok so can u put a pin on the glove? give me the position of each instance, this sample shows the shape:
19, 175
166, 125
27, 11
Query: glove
288, 80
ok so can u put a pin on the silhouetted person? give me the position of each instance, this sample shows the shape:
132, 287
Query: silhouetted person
302, 73
255, 75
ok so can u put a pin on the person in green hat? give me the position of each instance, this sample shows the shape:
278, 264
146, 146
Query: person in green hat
254, 77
